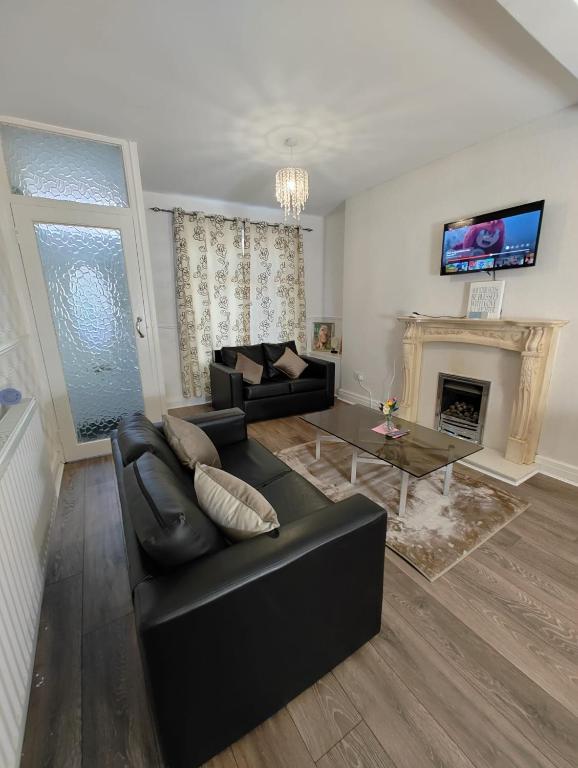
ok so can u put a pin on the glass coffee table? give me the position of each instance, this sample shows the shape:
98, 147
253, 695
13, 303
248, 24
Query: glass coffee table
416, 454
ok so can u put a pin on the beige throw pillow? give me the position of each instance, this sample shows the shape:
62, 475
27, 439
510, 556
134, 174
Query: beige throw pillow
239, 510
290, 364
252, 371
190, 443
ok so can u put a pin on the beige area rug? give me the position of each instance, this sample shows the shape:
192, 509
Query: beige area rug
436, 531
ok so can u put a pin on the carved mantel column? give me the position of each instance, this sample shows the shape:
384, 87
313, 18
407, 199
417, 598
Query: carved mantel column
535, 340
412, 351
530, 401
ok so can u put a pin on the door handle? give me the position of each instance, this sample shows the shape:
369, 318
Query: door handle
138, 327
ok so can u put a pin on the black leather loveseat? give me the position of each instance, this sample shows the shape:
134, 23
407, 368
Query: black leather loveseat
230, 638
276, 395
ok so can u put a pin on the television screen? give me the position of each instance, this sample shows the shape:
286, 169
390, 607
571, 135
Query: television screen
500, 240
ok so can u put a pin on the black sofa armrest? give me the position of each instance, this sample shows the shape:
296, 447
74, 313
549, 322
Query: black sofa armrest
223, 427
226, 386
317, 365
212, 578
322, 369
228, 640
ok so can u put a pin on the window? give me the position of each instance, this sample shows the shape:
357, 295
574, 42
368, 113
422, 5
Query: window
59, 167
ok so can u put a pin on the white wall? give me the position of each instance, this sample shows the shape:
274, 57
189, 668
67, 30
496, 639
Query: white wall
393, 238
159, 227
333, 262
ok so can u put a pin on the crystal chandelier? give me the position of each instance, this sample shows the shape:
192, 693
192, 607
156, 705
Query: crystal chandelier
292, 187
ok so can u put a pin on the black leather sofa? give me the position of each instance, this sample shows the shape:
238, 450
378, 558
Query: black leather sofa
276, 395
230, 638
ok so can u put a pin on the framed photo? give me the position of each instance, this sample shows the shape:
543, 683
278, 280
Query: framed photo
322, 334
485, 300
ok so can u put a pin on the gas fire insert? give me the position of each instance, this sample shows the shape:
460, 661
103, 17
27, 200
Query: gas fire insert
461, 406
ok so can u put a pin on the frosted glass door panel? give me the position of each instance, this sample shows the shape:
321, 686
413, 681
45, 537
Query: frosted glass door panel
58, 167
85, 276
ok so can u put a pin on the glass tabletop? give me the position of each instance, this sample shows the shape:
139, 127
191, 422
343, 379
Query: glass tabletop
420, 452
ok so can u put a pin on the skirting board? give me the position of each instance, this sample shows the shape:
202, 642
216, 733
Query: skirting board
559, 470
354, 397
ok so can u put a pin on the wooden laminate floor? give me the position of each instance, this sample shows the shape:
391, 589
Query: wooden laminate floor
476, 670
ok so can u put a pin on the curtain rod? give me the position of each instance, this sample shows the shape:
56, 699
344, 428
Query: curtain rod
156, 209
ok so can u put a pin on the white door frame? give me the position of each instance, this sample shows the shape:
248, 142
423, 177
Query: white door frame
13, 207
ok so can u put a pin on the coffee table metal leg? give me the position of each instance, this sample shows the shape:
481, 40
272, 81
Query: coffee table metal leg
318, 445
448, 478
354, 466
403, 492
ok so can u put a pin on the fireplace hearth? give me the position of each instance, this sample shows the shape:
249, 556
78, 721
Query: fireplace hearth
461, 406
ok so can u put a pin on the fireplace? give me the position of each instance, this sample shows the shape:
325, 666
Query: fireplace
461, 406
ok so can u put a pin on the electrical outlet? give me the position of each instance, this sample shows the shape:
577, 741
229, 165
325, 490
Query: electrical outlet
359, 376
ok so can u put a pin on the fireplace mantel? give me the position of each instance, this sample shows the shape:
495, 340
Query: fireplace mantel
535, 340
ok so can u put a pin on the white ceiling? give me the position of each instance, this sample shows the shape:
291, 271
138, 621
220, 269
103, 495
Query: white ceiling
554, 24
211, 88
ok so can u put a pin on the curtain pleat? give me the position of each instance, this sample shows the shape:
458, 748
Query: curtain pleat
277, 284
212, 293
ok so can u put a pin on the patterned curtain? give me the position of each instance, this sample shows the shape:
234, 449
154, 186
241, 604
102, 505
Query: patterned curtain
277, 283
236, 283
212, 288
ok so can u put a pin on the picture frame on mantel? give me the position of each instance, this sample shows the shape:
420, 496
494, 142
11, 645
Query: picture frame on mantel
485, 300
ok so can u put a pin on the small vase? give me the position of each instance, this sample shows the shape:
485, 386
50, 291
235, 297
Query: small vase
389, 422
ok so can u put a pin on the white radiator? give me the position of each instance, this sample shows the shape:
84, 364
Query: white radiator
27, 497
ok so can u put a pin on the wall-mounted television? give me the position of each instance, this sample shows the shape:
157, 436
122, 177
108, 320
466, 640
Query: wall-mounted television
505, 239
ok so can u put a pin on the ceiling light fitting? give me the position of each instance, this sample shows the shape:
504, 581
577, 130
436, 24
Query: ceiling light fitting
292, 186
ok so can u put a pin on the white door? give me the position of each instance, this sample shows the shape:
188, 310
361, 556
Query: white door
84, 279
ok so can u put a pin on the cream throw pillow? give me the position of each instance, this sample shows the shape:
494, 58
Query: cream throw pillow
190, 443
252, 371
290, 364
239, 510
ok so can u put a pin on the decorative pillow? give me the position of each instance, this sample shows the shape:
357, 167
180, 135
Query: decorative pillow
169, 525
252, 351
252, 372
239, 510
272, 353
190, 443
291, 364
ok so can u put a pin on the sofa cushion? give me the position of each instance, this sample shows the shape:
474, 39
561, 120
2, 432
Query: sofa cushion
137, 435
306, 384
290, 364
293, 497
252, 371
265, 389
253, 351
189, 442
272, 353
252, 462
168, 523
237, 508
